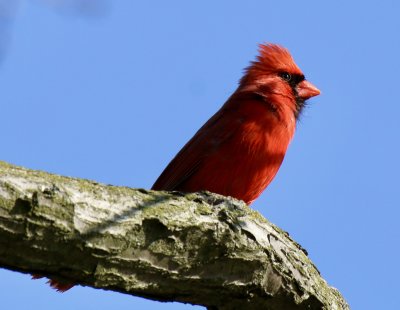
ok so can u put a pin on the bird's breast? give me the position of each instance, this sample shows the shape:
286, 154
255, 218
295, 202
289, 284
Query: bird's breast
244, 165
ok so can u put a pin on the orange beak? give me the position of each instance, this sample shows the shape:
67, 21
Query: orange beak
306, 90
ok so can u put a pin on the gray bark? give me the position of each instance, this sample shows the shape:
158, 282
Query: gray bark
197, 248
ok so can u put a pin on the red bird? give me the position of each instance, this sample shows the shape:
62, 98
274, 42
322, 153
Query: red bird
239, 150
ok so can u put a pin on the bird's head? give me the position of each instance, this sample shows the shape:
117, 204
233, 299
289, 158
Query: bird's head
277, 79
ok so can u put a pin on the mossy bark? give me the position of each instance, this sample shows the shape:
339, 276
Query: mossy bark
198, 248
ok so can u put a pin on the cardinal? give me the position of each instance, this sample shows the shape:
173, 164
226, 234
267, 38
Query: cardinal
239, 150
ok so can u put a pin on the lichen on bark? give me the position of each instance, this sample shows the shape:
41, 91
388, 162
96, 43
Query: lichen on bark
199, 248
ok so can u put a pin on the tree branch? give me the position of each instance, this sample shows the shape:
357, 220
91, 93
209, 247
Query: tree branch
198, 248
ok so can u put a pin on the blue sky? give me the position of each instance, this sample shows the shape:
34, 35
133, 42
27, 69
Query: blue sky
112, 92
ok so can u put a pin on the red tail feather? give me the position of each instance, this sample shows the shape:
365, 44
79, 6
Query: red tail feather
58, 286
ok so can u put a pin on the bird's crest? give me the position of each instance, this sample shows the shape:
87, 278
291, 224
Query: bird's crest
274, 58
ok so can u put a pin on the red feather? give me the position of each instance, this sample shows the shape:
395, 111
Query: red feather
240, 149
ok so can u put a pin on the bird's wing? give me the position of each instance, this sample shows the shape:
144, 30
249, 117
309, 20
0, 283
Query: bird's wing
217, 130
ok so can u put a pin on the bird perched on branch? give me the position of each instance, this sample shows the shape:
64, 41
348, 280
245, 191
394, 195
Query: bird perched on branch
239, 150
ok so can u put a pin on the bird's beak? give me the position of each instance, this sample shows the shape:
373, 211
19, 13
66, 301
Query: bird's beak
306, 90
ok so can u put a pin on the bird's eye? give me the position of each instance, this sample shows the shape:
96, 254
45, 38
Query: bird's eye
286, 76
